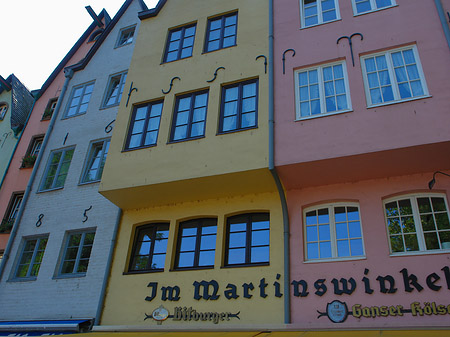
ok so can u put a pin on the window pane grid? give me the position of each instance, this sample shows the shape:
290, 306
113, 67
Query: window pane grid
77, 253
248, 239
318, 11
180, 43
322, 90
333, 232
144, 126
115, 90
363, 6
190, 116
79, 100
393, 76
31, 258
221, 32
150, 248
57, 169
418, 223
239, 106
96, 161
196, 243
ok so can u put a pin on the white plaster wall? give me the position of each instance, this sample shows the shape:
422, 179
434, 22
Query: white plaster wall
50, 297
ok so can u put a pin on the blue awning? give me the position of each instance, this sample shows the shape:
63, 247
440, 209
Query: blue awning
49, 328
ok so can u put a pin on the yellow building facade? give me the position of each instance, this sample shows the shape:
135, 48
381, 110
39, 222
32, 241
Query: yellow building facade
200, 242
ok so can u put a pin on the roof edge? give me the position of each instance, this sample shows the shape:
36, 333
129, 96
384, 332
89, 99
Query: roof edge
152, 12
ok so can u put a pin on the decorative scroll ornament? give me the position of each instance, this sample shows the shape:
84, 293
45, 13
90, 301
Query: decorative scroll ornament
349, 38
85, 215
130, 92
215, 74
171, 84
284, 57
265, 62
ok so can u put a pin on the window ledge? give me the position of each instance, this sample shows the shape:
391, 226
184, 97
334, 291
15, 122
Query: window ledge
236, 130
184, 140
138, 148
375, 10
399, 101
320, 24
421, 252
263, 264
212, 51
69, 276
323, 115
337, 259
191, 268
138, 272
50, 189
22, 279
83, 183
68, 117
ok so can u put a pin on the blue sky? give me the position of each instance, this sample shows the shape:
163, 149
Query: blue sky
38, 34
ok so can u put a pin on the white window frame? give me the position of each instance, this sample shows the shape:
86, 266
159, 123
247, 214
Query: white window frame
417, 223
33, 261
58, 169
78, 258
323, 112
319, 14
90, 160
82, 97
373, 6
392, 77
124, 32
110, 89
333, 235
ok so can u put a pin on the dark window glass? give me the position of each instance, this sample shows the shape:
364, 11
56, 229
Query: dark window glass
196, 243
248, 238
190, 116
144, 126
31, 258
149, 252
239, 106
180, 43
77, 253
221, 32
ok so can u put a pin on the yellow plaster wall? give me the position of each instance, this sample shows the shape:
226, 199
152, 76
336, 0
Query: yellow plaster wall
125, 298
243, 151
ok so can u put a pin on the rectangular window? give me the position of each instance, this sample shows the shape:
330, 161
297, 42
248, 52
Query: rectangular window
125, 36
57, 168
79, 100
96, 161
333, 232
196, 244
365, 6
239, 106
221, 32
316, 12
3, 109
190, 116
77, 252
51, 106
114, 90
248, 239
180, 43
322, 90
33, 151
418, 223
144, 126
11, 212
150, 246
31, 258
393, 76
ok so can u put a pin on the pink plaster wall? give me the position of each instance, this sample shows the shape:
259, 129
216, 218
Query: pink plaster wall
369, 194
17, 178
363, 130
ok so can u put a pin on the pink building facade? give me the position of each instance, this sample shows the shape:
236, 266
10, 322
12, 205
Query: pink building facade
361, 126
16, 179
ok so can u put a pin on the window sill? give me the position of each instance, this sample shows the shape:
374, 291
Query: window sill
185, 140
212, 51
191, 268
68, 117
83, 183
261, 264
137, 272
50, 190
336, 259
22, 279
421, 252
123, 45
138, 148
320, 24
104, 107
323, 115
236, 130
182, 58
399, 101
375, 10
69, 276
